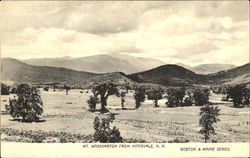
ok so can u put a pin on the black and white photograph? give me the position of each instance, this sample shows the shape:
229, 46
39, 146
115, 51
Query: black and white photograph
132, 72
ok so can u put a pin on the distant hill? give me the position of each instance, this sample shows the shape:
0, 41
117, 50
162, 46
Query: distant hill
99, 63
236, 75
207, 68
169, 75
14, 70
118, 78
211, 68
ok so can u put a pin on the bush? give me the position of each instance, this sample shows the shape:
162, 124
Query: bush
13, 90
92, 101
5, 90
209, 116
175, 97
103, 132
28, 105
139, 96
201, 97
46, 88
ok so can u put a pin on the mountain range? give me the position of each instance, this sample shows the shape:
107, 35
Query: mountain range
99, 63
118, 63
168, 74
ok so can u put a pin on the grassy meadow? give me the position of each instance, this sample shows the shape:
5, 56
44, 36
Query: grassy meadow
68, 115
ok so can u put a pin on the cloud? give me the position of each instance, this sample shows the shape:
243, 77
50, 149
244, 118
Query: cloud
190, 32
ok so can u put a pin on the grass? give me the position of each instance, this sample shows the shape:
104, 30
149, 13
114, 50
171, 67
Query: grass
146, 124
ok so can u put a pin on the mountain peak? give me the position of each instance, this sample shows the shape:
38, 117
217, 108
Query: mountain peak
101, 63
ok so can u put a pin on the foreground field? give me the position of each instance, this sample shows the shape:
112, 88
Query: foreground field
69, 115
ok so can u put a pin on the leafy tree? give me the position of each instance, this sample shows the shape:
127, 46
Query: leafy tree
105, 90
239, 94
201, 97
122, 95
92, 101
139, 96
246, 96
209, 116
5, 90
175, 97
67, 88
103, 132
188, 100
28, 104
155, 95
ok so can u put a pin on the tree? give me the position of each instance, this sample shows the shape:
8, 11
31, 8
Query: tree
122, 95
28, 104
67, 88
139, 96
92, 101
188, 101
209, 116
5, 90
238, 93
201, 97
103, 132
246, 96
105, 90
155, 95
175, 97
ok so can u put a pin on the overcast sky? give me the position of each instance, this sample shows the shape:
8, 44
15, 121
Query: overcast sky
188, 32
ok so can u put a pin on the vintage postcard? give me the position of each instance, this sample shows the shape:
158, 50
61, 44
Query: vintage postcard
125, 79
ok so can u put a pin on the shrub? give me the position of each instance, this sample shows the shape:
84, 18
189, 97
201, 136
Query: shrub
209, 116
139, 96
46, 88
28, 105
103, 132
127, 88
92, 101
201, 97
13, 90
175, 97
5, 90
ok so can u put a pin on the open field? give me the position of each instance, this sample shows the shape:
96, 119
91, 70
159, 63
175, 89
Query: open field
69, 114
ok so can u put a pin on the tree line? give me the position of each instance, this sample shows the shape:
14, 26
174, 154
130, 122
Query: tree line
175, 97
